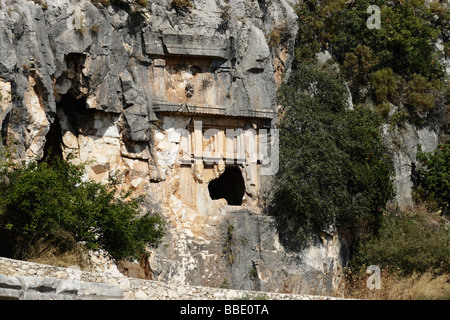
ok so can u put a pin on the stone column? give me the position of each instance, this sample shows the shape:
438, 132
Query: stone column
158, 79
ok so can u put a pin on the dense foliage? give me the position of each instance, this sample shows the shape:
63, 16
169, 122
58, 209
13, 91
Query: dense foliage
397, 63
407, 243
417, 241
433, 177
39, 200
333, 168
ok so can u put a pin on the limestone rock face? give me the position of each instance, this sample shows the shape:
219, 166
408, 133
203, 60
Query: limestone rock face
141, 91
402, 143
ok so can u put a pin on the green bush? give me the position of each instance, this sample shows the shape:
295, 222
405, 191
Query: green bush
274, 39
417, 241
399, 118
423, 95
383, 109
357, 68
41, 199
384, 84
405, 42
434, 175
407, 242
333, 168
318, 27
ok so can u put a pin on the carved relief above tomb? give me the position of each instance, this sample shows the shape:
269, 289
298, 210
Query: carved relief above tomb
197, 82
207, 134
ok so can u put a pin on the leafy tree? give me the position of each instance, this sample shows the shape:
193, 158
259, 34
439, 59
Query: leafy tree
39, 200
405, 43
333, 169
387, 61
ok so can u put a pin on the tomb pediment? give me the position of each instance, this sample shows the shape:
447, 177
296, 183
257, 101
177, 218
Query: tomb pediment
187, 45
194, 45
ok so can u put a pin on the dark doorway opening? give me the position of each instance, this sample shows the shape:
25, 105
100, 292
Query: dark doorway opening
229, 186
53, 142
72, 115
78, 116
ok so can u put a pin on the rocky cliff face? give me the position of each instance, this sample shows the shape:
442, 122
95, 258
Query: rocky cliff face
131, 90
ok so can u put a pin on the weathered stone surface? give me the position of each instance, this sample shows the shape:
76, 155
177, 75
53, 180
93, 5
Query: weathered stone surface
402, 144
9, 282
99, 291
10, 294
240, 250
29, 287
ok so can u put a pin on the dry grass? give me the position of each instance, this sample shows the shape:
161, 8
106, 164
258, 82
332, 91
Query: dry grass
306, 284
60, 251
394, 286
414, 243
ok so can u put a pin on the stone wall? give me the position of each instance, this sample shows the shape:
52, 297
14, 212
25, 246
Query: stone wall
21, 280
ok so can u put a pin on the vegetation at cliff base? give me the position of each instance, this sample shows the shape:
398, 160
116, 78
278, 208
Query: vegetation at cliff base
411, 247
50, 201
408, 241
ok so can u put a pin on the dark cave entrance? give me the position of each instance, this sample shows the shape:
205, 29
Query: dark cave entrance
71, 115
229, 186
74, 109
53, 142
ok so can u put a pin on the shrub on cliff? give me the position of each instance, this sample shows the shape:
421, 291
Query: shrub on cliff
333, 168
398, 63
405, 41
47, 199
182, 5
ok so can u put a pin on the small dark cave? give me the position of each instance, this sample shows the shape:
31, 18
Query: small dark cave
75, 110
53, 142
229, 186
77, 117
